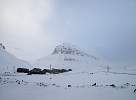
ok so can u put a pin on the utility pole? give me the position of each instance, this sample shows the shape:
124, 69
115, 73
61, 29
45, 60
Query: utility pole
50, 66
50, 71
108, 68
7, 68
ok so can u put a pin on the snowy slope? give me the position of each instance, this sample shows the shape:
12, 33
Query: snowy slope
9, 61
69, 56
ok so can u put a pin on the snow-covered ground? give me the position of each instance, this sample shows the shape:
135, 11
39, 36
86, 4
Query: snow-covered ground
68, 86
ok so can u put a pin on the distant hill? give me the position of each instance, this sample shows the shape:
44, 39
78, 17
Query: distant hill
68, 56
9, 61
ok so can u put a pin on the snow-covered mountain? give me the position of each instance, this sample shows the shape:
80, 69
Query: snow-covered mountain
69, 49
86, 83
9, 61
68, 56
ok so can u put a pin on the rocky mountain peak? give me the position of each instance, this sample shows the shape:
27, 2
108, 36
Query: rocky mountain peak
2, 46
69, 49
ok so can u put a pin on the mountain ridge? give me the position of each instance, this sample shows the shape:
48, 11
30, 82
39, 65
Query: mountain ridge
8, 60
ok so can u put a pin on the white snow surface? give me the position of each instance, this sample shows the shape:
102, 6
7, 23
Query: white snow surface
55, 87
9, 62
88, 80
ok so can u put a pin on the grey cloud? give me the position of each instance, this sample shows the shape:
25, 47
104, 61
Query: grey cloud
107, 26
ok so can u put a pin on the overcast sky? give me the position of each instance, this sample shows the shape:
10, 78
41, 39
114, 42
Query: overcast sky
31, 28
